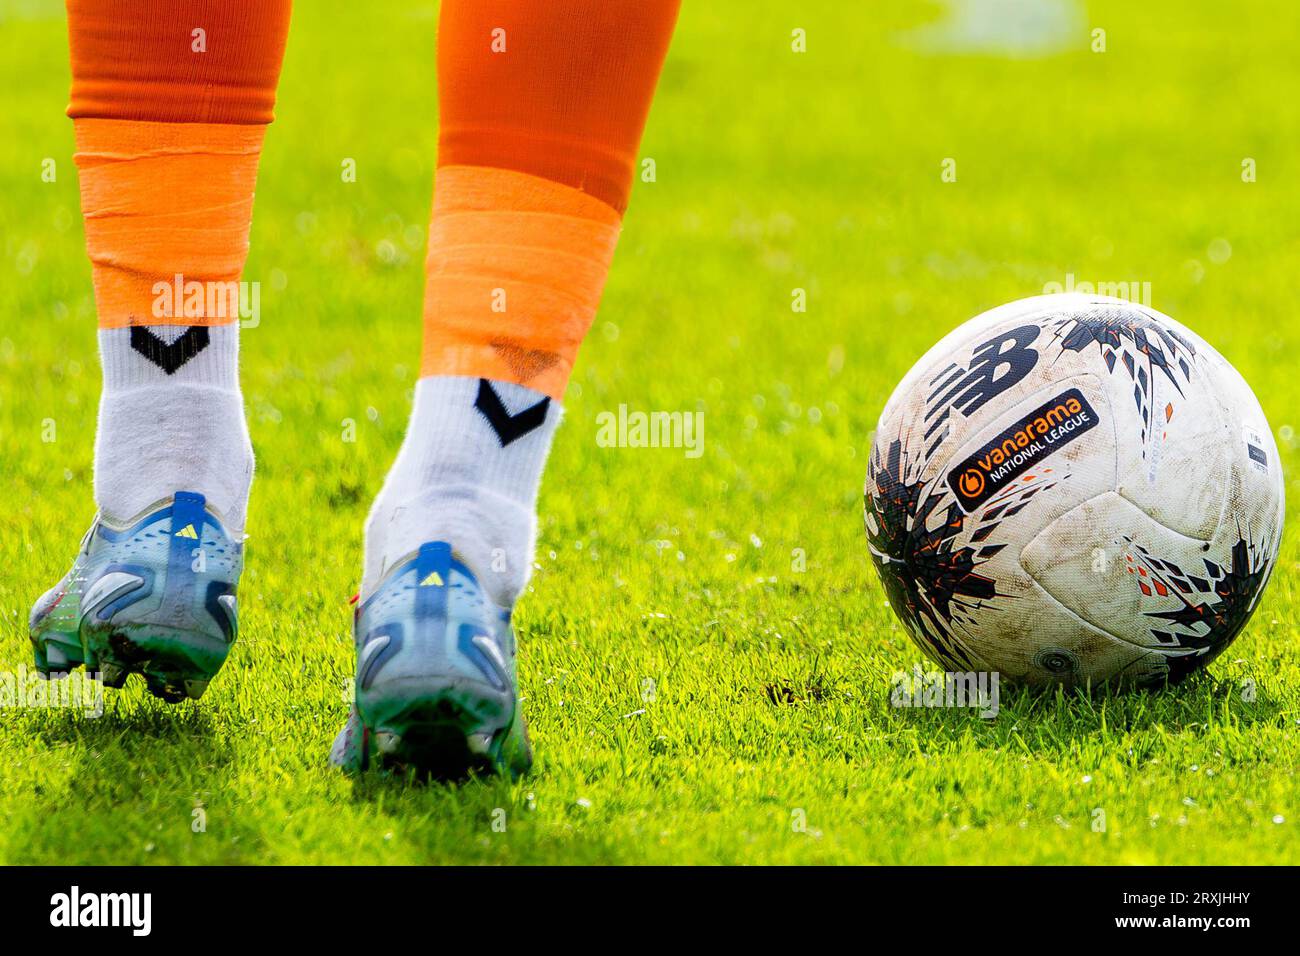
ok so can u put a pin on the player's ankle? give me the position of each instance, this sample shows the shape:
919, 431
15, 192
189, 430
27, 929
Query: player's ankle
155, 441
468, 474
493, 535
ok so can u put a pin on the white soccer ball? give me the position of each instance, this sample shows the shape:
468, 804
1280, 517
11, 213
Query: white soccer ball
1071, 489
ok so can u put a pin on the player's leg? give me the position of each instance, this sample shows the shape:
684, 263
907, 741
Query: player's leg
170, 101
542, 109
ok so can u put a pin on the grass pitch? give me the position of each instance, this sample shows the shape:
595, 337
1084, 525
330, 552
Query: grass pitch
706, 651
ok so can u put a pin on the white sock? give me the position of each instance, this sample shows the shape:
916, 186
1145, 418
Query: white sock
467, 473
171, 419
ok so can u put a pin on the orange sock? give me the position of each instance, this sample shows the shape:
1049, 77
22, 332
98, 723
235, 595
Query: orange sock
170, 100
542, 109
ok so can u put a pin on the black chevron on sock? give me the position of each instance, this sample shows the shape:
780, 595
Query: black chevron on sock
508, 427
169, 356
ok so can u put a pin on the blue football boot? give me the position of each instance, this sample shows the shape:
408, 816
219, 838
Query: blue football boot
156, 598
435, 683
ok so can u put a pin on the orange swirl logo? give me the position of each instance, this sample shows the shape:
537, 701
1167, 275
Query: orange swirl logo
972, 483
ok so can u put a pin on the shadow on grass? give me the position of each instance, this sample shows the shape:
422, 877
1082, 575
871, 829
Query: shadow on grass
382, 786
133, 783
1058, 715
145, 723
136, 746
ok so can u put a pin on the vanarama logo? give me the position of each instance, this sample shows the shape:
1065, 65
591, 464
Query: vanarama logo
1016, 449
972, 483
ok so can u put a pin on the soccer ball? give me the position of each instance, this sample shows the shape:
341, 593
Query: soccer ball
1072, 489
